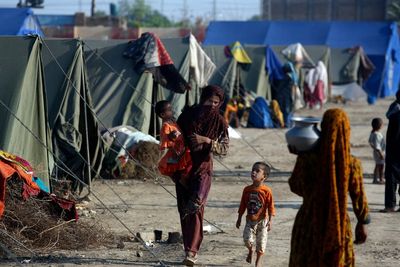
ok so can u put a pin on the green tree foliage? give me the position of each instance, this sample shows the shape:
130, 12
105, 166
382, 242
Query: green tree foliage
139, 14
100, 13
393, 11
255, 17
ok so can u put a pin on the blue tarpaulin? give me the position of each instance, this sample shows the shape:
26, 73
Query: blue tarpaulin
379, 40
259, 116
19, 21
272, 65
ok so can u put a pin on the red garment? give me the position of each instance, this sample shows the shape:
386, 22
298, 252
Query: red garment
177, 151
7, 170
206, 122
257, 201
163, 56
192, 224
317, 96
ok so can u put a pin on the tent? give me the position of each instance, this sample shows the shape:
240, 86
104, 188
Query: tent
43, 115
232, 75
19, 21
121, 96
73, 124
379, 39
260, 116
24, 121
255, 78
225, 75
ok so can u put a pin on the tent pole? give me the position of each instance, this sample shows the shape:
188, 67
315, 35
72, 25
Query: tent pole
89, 182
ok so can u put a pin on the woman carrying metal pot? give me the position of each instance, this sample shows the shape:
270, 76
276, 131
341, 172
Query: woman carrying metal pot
324, 176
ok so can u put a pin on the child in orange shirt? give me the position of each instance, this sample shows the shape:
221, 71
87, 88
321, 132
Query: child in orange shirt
177, 156
257, 199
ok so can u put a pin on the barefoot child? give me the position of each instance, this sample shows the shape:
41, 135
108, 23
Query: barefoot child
177, 156
257, 199
377, 142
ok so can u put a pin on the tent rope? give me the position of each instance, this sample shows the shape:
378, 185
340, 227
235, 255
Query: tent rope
132, 87
78, 179
148, 171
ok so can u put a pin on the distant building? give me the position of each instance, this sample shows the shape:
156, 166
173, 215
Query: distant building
350, 10
104, 28
78, 25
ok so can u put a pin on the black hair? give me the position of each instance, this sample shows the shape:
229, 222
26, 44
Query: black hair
376, 123
160, 107
265, 166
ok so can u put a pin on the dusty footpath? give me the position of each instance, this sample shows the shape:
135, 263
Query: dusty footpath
144, 206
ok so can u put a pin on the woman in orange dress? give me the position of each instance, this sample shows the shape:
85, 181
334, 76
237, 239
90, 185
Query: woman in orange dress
323, 177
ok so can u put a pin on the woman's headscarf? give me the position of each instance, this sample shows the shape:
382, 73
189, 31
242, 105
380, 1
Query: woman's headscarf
210, 91
208, 121
333, 180
204, 120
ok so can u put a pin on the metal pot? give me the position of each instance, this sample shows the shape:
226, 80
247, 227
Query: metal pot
305, 134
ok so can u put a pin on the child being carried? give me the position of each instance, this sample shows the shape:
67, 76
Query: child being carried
177, 156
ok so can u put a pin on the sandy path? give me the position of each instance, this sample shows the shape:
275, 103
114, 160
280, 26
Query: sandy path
150, 207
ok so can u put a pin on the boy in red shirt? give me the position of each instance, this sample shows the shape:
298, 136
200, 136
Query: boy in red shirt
257, 199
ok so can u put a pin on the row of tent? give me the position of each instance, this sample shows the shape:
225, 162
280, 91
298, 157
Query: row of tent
379, 40
58, 95
344, 66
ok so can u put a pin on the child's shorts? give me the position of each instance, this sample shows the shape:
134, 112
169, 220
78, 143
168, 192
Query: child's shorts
256, 231
377, 159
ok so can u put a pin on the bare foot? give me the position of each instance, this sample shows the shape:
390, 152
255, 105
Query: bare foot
259, 260
249, 256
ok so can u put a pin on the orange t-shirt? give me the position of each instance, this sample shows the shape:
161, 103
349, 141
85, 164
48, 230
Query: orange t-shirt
257, 200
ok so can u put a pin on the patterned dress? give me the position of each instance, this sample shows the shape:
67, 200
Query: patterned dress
321, 233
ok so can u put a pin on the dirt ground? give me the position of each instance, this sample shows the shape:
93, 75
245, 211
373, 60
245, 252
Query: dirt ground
146, 206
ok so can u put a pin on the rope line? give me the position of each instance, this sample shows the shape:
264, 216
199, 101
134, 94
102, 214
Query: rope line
78, 179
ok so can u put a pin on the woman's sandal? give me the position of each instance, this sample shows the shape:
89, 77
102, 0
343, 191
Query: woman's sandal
190, 259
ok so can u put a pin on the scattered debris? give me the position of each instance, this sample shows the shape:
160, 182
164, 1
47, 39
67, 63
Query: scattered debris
35, 224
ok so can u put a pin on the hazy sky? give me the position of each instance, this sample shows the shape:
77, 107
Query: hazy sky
173, 9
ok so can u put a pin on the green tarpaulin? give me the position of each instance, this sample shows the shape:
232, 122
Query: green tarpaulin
73, 125
22, 92
122, 96
43, 83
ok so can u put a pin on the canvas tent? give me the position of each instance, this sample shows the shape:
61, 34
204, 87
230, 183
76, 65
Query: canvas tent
73, 125
232, 75
23, 103
43, 115
19, 21
225, 74
121, 96
255, 78
379, 40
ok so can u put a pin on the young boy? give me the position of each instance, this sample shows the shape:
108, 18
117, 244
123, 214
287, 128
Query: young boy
377, 142
177, 157
257, 199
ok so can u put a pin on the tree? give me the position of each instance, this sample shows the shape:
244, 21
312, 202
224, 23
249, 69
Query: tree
255, 17
100, 13
139, 14
393, 11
